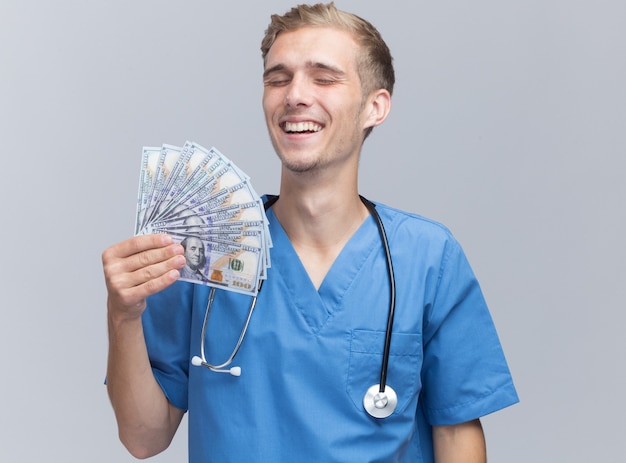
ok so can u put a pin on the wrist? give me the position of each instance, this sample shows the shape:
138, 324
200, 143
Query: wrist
119, 315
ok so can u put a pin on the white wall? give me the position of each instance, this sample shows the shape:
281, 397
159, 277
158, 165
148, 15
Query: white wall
509, 125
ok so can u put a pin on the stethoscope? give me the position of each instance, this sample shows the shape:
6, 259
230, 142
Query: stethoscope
380, 400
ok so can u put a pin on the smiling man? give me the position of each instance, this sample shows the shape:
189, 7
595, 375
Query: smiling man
322, 379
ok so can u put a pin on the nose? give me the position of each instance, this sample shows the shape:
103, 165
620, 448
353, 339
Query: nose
298, 93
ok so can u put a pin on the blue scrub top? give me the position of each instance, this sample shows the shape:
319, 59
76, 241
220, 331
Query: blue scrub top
310, 355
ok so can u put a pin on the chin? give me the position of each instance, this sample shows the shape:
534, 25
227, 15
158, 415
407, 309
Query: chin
299, 165
301, 169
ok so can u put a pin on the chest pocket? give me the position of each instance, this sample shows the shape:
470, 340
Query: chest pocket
403, 373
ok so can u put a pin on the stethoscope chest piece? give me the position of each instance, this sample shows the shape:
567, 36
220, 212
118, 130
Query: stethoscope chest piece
380, 404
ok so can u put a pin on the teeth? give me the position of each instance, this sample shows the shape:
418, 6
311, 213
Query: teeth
302, 127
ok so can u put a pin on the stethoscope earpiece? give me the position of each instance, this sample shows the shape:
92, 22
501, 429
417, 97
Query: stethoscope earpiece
198, 362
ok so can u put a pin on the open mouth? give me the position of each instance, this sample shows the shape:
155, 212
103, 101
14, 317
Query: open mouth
301, 127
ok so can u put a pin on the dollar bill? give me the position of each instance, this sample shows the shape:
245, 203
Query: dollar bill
165, 163
149, 161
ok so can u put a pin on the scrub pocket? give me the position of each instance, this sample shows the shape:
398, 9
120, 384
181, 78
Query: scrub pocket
403, 373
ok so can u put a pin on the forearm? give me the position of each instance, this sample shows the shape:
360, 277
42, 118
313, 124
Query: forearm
461, 443
133, 270
146, 420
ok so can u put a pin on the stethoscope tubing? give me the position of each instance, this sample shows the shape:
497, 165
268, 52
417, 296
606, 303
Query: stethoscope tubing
392, 293
242, 335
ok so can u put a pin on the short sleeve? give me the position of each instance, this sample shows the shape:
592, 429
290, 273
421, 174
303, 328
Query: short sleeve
166, 323
465, 374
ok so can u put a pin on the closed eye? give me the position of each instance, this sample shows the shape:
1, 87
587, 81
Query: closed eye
326, 81
276, 82
276, 76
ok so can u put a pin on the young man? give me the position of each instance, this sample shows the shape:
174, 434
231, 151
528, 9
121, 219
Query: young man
315, 342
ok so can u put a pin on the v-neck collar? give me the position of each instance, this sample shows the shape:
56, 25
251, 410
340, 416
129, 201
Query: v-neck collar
318, 305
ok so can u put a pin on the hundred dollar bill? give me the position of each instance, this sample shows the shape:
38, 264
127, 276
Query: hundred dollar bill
236, 267
166, 160
149, 162
230, 266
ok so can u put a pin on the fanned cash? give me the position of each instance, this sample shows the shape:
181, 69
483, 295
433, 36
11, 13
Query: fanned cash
207, 204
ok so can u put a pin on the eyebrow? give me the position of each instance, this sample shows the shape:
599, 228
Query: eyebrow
309, 65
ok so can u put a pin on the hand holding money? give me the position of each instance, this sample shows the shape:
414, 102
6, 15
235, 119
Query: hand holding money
139, 267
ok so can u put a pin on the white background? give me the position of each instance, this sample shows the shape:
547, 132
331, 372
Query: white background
508, 125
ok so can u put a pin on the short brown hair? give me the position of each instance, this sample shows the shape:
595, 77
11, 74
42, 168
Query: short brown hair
375, 65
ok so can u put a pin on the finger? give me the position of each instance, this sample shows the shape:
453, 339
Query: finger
136, 245
138, 269
155, 271
151, 257
134, 296
115, 262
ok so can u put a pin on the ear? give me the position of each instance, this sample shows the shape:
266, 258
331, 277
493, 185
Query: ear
377, 108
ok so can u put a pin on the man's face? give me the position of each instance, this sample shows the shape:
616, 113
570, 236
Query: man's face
312, 98
194, 253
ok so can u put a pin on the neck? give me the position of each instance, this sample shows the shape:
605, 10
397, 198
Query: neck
318, 212
319, 220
